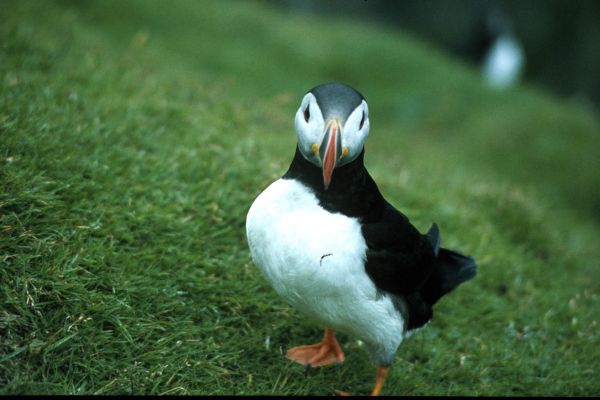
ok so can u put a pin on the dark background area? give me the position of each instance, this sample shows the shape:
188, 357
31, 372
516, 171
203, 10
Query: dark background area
560, 38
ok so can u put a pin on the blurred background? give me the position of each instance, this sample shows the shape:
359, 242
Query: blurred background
552, 43
135, 135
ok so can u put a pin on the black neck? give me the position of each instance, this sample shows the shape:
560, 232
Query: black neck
352, 190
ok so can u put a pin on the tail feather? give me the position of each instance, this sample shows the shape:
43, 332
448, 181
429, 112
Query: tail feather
452, 269
455, 268
433, 236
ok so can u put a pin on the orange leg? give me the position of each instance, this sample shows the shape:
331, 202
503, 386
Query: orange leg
317, 355
380, 376
382, 373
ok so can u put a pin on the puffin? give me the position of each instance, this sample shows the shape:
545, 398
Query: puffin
504, 61
495, 46
333, 248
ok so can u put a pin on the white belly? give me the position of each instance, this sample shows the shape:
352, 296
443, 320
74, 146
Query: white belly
314, 259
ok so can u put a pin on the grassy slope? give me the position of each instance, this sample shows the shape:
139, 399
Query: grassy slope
135, 135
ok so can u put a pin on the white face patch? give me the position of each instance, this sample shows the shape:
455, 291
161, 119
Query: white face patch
310, 127
355, 132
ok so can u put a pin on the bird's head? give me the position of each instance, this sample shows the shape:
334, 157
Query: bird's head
332, 124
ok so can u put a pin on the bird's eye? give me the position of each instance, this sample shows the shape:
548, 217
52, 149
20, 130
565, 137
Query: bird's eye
362, 121
307, 113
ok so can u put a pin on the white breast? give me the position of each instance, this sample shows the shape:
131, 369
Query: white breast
314, 259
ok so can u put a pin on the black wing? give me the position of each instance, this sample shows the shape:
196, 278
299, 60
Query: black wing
399, 258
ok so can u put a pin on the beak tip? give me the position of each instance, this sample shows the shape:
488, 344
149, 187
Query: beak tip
326, 182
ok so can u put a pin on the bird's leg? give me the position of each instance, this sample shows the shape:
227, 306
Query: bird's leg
380, 375
327, 352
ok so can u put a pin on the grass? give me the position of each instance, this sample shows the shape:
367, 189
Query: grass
134, 137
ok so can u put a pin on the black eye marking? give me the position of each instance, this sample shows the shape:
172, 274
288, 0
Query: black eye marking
362, 121
307, 113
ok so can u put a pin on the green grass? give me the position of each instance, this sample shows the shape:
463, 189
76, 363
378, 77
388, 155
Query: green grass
135, 135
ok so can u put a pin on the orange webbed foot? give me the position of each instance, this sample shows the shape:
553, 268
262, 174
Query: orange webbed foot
327, 352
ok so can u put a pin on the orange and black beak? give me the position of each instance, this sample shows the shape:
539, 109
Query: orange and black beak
330, 150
